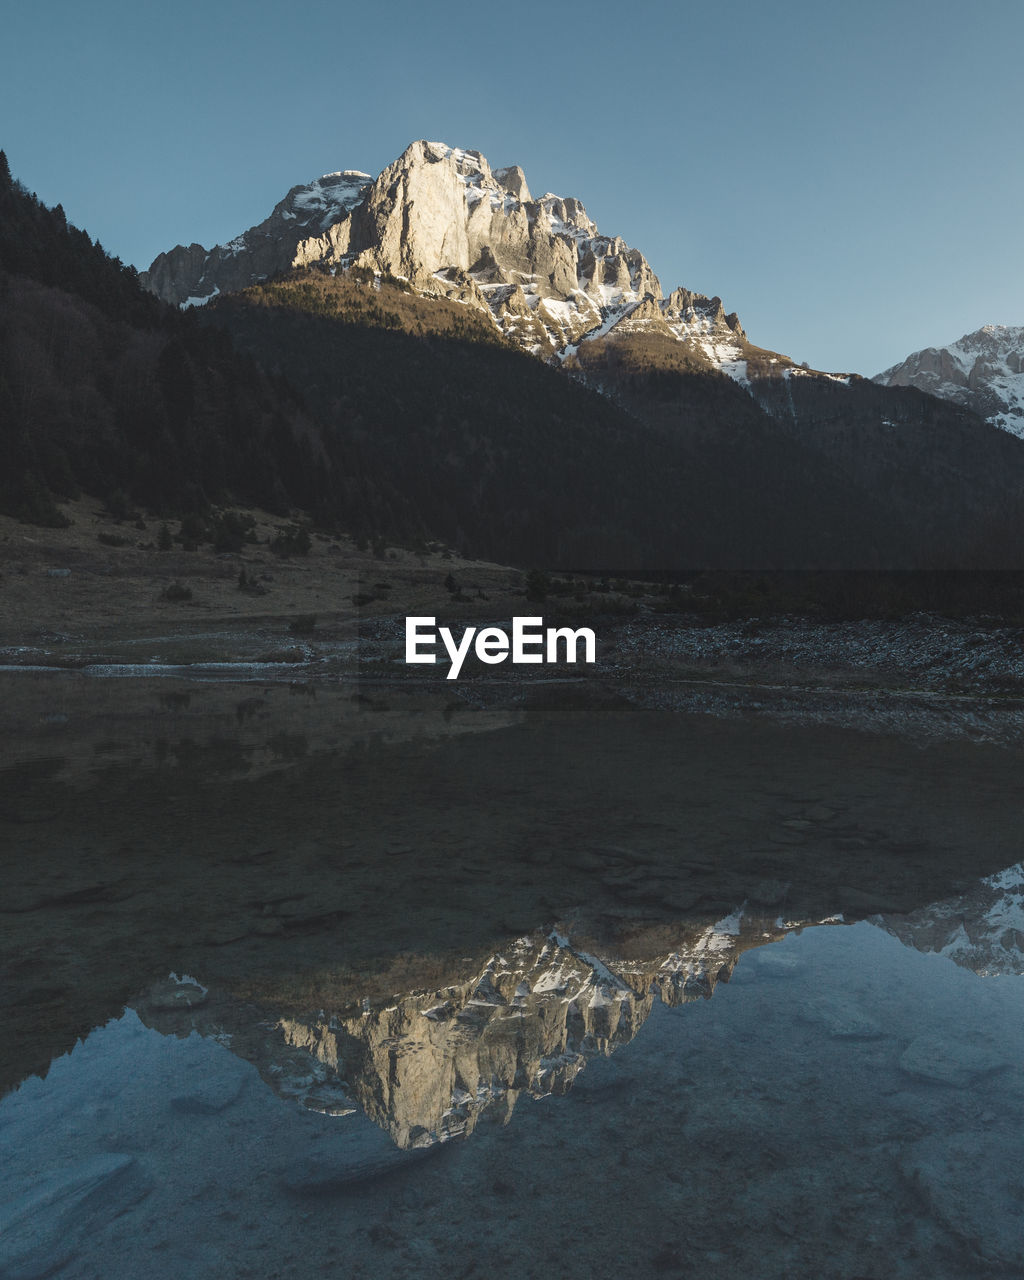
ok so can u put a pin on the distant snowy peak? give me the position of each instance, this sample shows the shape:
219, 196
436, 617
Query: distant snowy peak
983, 371
442, 220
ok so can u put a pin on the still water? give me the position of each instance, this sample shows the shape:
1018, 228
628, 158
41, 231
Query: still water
354, 980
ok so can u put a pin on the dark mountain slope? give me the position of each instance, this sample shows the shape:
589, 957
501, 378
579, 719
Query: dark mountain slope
878, 477
954, 481
512, 459
105, 389
464, 436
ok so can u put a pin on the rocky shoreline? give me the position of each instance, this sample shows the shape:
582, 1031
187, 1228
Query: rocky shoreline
922, 677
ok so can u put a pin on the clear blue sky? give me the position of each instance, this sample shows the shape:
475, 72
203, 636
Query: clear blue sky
848, 178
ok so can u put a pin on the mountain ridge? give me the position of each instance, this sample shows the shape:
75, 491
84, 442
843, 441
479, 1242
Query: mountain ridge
771, 463
402, 415
983, 371
539, 268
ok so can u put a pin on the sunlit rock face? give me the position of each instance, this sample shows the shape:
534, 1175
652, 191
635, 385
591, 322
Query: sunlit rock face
441, 220
428, 1065
983, 371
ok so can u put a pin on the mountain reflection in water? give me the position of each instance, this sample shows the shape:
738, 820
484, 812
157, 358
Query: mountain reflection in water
428, 1064
404, 911
844, 1104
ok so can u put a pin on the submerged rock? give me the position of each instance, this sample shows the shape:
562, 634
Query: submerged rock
943, 1061
209, 1095
974, 1184
41, 1229
842, 1019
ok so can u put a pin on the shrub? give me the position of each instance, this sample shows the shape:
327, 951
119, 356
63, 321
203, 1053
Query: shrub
292, 540
232, 530
194, 530
538, 584
249, 585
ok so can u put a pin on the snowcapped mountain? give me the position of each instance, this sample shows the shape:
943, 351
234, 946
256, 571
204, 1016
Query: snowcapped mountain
760, 462
445, 223
983, 371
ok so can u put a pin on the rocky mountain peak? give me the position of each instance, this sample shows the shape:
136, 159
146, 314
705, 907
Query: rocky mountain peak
439, 218
193, 275
513, 180
983, 371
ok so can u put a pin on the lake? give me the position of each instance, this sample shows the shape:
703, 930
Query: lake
360, 978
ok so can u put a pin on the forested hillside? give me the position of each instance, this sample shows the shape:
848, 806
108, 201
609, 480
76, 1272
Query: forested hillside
107, 391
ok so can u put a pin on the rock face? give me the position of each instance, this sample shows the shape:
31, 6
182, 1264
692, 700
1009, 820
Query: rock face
983, 371
440, 219
189, 276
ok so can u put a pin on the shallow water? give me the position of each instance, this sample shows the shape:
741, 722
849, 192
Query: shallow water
350, 980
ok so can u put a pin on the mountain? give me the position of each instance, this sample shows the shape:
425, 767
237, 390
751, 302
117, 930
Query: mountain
708, 450
106, 390
983, 371
373, 410
188, 276
442, 221
435, 355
